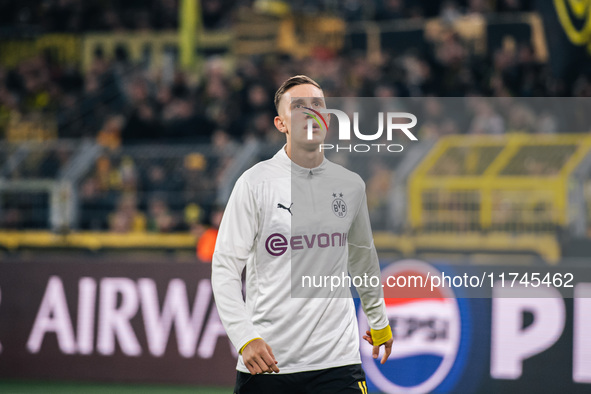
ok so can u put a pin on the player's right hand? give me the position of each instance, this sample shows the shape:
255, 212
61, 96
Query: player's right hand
258, 357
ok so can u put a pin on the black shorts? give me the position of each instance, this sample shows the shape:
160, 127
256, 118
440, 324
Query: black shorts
345, 380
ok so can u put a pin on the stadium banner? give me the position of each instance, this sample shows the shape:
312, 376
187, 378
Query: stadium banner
109, 321
157, 323
503, 344
568, 33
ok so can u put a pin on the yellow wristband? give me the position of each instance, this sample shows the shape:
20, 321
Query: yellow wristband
242, 348
381, 336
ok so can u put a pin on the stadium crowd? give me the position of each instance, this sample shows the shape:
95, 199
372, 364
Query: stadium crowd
77, 16
120, 104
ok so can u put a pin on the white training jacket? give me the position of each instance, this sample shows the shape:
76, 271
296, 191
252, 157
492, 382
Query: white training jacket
282, 222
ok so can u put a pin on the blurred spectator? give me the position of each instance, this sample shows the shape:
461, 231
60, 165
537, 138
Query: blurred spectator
260, 126
206, 243
378, 188
216, 13
51, 165
546, 123
165, 14
142, 125
390, 10
521, 120
198, 184
514, 5
479, 6
107, 184
105, 176
159, 180
429, 131
110, 135
486, 119
582, 87
96, 196
225, 149
160, 219
128, 175
127, 218
63, 15
193, 218
12, 218
182, 124
450, 11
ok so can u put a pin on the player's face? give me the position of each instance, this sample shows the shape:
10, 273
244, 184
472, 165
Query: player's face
298, 105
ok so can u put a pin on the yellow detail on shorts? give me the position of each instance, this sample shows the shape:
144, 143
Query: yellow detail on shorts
242, 348
362, 387
381, 336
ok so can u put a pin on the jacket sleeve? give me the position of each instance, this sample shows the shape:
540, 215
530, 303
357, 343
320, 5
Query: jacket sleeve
363, 260
234, 246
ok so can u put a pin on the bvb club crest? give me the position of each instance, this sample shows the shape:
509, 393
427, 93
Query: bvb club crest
339, 207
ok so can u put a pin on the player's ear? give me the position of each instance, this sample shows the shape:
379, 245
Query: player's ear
280, 124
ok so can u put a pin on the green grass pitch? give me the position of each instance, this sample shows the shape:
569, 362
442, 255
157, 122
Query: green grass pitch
37, 387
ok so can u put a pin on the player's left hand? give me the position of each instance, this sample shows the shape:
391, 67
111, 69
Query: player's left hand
376, 349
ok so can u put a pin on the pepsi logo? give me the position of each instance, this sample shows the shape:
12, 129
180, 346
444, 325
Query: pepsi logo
426, 328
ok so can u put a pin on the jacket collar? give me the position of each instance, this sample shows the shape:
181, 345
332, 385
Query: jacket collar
296, 169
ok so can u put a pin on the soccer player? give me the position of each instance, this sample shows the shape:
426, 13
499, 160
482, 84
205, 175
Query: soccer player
297, 210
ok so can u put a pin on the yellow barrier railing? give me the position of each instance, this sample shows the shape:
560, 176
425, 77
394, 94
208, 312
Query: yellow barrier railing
519, 185
263, 31
81, 49
34, 127
543, 245
140, 45
13, 240
63, 48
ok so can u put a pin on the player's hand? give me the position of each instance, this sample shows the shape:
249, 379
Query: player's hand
258, 357
376, 349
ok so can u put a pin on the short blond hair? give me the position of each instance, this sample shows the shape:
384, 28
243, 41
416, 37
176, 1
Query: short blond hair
290, 83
